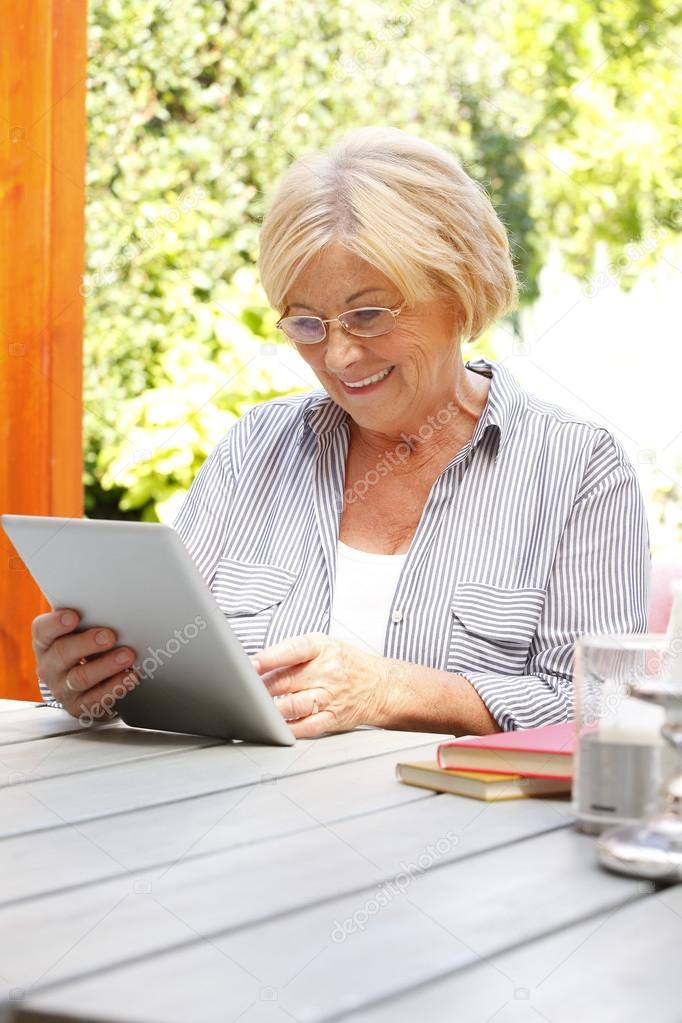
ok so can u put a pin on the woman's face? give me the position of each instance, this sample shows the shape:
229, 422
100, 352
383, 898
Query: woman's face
421, 351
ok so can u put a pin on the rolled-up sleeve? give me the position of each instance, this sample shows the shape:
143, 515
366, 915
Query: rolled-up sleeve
47, 695
599, 584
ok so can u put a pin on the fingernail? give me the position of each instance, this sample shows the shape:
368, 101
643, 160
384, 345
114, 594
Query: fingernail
122, 657
255, 662
102, 637
68, 618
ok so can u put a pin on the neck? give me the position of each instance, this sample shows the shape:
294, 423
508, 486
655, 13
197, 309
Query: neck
446, 422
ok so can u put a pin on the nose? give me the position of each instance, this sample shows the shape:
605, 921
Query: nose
341, 348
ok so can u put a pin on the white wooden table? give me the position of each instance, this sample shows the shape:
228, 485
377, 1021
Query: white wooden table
152, 877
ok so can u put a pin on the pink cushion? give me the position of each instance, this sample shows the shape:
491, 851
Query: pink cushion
665, 569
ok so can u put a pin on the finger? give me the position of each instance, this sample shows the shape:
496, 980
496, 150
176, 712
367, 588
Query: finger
48, 627
314, 725
99, 702
280, 682
69, 650
302, 704
82, 677
291, 651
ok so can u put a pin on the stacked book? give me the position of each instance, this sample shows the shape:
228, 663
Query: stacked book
506, 765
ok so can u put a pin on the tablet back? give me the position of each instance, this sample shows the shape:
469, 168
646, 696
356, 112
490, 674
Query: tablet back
138, 579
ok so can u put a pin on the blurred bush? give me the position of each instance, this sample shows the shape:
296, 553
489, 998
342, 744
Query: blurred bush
567, 113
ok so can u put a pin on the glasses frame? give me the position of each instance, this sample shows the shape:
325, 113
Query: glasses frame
395, 313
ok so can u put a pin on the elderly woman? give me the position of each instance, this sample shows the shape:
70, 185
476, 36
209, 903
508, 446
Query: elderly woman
418, 544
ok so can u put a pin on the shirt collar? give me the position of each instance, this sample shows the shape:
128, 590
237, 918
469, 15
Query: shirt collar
505, 404
320, 415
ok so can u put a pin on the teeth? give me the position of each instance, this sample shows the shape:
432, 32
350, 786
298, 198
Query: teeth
372, 380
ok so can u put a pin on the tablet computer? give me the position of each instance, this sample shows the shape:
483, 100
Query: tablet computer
140, 580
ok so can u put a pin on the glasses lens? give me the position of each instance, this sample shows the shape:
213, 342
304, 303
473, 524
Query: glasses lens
368, 322
303, 329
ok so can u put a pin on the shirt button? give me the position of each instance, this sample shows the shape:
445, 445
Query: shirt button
397, 617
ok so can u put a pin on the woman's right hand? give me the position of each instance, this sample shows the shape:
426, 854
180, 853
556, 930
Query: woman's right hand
83, 670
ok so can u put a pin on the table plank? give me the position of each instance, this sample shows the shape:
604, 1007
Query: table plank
51, 802
82, 751
40, 721
618, 966
315, 952
250, 883
8, 705
53, 859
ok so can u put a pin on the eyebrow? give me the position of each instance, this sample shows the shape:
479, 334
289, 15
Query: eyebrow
350, 298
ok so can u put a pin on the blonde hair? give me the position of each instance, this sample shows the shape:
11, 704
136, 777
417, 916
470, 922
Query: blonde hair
405, 206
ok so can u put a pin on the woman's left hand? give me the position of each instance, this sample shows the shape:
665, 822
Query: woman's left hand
324, 685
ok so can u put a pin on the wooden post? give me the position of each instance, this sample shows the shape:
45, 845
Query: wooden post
42, 176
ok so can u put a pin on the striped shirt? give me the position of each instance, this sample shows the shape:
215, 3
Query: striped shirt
534, 534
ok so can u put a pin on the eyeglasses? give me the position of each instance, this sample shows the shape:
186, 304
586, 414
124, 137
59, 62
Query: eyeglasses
370, 321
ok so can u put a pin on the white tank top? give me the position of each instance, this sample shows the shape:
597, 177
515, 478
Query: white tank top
363, 593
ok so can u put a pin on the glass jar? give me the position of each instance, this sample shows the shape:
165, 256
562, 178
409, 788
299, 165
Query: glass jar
620, 756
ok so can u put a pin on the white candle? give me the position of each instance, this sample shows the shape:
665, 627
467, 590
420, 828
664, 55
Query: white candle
626, 719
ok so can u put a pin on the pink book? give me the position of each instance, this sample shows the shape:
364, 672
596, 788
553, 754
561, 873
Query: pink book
545, 752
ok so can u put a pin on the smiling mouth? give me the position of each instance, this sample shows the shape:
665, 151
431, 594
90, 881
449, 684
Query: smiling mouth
376, 378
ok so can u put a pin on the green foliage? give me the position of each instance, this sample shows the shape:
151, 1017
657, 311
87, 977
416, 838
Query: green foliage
568, 113
600, 88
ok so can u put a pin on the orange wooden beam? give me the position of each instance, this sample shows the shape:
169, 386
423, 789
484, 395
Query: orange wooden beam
42, 182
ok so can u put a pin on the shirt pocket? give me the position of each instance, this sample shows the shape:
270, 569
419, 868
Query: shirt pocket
248, 595
492, 627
